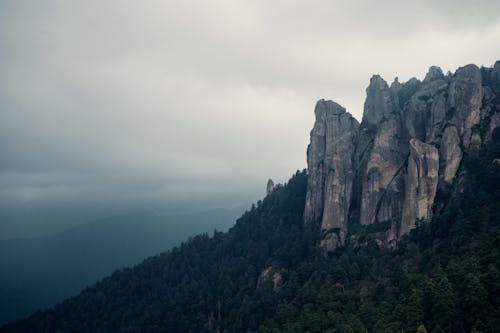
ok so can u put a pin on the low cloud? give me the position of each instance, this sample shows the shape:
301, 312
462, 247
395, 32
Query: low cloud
120, 104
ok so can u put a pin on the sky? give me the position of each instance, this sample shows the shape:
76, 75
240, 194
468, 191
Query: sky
109, 106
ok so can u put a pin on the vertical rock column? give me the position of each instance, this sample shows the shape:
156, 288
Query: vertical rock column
380, 162
331, 171
421, 184
465, 101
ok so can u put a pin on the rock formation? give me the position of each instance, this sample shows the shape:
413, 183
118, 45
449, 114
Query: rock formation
421, 184
330, 161
451, 154
269, 186
380, 161
271, 274
410, 143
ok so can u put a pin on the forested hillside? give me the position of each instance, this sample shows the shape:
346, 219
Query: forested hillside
40, 272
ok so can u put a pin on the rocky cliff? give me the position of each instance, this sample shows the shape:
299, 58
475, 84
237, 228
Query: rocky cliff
387, 171
331, 169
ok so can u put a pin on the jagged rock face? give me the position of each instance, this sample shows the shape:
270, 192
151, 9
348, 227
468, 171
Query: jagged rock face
451, 154
433, 74
331, 170
381, 178
379, 102
465, 100
421, 184
381, 160
411, 142
425, 112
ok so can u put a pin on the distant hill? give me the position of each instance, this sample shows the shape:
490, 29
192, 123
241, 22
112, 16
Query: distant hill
39, 272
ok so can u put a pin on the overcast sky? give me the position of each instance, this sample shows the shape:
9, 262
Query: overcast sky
113, 104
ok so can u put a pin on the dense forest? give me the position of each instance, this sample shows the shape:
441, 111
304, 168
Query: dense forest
267, 274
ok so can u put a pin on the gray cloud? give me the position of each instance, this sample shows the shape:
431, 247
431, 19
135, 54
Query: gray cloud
119, 104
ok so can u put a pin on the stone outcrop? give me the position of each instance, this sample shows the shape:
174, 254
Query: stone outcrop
331, 169
424, 112
269, 186
271, 274
451, 154
380, 161
410, 143
421, 184
465, 100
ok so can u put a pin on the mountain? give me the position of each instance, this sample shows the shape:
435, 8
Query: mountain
394, 227
388, 170
39, 272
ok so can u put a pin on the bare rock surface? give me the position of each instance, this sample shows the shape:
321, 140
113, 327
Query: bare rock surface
421, 184
411, 141
331, 170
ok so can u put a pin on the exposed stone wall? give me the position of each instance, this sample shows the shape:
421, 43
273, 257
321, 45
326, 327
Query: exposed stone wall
410, 142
